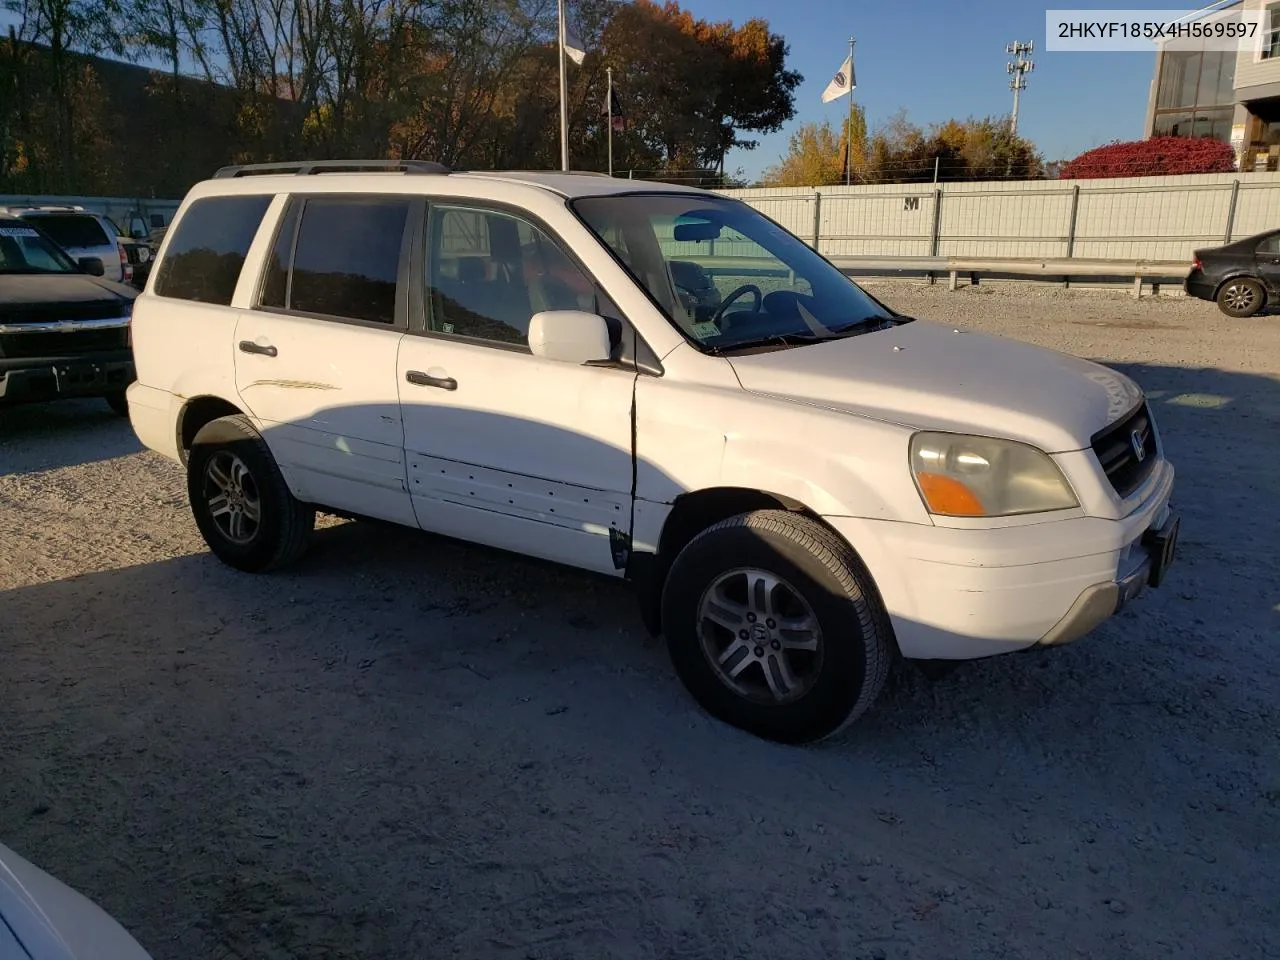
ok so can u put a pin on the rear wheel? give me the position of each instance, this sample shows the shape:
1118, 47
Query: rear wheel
240, 501
1241, 297
774, 626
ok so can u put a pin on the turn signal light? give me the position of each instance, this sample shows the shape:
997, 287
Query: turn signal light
948, 496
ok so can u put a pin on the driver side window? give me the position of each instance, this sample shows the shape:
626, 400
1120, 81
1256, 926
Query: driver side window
490, 272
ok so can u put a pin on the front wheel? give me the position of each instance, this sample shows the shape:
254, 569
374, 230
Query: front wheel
1241, 297
774, 626
240, 501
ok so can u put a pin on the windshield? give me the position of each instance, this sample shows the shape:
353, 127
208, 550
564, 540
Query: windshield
71, 230
24, 250
728, 276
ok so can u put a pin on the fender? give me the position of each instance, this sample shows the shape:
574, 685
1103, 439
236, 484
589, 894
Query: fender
692, 437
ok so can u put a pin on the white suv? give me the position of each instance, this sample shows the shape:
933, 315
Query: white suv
801, 482
83, 235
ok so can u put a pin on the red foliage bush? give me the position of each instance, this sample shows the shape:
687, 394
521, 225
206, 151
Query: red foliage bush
1157, 157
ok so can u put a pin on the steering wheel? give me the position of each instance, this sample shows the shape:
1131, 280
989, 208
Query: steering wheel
750, 288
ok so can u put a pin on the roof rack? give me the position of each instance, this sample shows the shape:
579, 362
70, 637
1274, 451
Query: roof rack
14, 208
567, 173
307, 167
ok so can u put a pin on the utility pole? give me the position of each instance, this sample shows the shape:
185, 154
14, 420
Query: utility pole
1018, 70
609, 100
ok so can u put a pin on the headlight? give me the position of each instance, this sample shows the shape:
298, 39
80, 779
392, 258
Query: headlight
962, 476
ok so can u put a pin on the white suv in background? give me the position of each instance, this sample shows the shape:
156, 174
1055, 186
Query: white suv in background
801, 482
81, 234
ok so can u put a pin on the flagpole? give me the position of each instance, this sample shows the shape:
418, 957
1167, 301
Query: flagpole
564, 95
609, 73
848, 151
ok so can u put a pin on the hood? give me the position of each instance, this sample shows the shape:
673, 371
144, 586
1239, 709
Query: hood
52, 922
32, 289
928, 376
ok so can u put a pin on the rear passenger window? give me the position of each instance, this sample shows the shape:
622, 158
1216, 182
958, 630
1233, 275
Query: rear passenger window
346, 259
70, 231
206, 253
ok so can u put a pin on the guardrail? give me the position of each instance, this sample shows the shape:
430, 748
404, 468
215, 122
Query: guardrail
1063, 268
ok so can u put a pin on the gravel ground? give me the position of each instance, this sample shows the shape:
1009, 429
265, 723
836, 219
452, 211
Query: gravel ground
408, 747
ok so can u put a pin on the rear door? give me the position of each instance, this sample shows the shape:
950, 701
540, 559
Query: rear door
315, 356
82, 235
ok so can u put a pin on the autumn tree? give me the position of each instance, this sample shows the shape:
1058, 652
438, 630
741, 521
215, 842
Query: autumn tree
694, 88
473, 83
817, 156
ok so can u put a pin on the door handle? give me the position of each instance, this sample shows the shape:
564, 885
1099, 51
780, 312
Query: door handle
248, 346
426, 380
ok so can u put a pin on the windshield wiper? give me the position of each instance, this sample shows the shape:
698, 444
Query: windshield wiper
869, 321
773, 339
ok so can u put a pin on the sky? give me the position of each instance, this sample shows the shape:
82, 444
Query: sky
941, 59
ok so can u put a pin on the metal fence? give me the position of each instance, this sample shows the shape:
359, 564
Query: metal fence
1141, 218
1150, 218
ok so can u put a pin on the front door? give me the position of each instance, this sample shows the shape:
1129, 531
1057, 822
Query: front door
502, 447
316, 358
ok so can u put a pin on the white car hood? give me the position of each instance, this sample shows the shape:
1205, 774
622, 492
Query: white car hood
928, 376
50, 921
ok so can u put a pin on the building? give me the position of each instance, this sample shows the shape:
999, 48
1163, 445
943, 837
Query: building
1233, 96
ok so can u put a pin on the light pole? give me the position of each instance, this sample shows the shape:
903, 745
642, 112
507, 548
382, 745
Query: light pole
1018, 70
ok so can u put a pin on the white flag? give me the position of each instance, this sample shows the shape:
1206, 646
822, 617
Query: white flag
841, 83
573, 45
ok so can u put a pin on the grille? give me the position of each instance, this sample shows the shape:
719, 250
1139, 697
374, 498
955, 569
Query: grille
1127, 450
86, 310
19, 345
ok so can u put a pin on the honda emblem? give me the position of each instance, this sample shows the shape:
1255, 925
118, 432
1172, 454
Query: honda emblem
1139, 444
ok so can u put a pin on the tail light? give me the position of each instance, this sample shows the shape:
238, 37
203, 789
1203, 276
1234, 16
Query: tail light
1196, 264
126, 271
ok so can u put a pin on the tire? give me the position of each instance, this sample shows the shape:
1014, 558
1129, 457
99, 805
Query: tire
795, 559
229, 454
1241, 297
118, 403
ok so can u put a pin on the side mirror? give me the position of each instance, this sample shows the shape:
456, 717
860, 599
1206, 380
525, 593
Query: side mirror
570, 336
92, 265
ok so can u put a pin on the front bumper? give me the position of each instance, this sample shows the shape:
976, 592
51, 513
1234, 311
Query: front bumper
1148, 564
960, 594
31, 380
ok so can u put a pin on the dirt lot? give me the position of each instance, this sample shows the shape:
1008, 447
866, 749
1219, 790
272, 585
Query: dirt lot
411, 748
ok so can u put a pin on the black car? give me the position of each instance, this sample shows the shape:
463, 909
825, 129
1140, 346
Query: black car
64, 331
1241, 277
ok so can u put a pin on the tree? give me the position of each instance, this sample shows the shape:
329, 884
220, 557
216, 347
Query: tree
473, 83
972, 149
1159, 156
694, 87
816, 155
